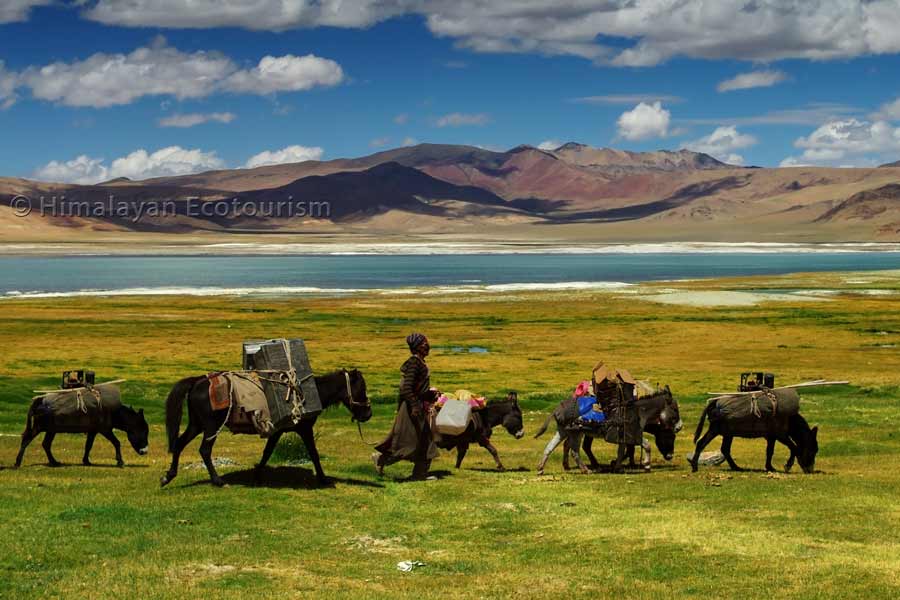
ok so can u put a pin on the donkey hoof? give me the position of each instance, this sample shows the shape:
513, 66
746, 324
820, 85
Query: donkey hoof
218, 482
165, 480
87, 463
120, 464
501, 468
54, 464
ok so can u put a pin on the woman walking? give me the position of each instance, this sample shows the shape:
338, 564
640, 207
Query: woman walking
410, 437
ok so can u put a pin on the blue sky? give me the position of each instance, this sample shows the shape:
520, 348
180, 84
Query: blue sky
814, 90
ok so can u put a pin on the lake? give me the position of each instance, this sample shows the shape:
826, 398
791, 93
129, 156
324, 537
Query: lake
305, 274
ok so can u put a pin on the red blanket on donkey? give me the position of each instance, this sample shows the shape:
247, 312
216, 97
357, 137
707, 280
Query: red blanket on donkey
219, 391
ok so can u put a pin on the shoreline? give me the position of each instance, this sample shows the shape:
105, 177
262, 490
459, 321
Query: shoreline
377, 248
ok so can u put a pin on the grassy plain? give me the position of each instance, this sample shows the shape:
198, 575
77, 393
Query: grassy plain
92, 532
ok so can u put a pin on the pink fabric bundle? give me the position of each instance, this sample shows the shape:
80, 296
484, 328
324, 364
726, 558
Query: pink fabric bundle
584, 389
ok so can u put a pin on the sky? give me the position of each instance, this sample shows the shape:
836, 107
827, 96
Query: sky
91, 90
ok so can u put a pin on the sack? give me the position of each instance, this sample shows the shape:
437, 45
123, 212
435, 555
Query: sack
250, 410
87, 401
453, 419
82, 407
762, 405
288, 358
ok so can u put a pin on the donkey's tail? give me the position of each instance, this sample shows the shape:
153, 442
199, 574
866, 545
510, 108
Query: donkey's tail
703, 415
175, 407
544, 427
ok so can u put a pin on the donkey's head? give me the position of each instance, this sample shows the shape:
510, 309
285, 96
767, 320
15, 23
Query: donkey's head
355, 397
135, 426
512, 421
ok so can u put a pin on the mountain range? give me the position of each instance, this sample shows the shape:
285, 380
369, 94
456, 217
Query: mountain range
573, 192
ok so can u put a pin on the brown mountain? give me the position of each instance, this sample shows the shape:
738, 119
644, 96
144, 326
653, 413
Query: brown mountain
573, 191
893, 164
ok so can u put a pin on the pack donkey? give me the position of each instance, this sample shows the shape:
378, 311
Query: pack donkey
658, 414
123, 418
506, 413
791, 430
340, 387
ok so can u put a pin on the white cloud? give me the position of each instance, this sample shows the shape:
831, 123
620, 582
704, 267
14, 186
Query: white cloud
192, 119
757, 30
273, 15
848, 142
291, 154
401, 119
287, 73
644, 121
549, 145
888, 112
722, 143
140, 164
8, 84
753, 79
409, 141
103, 80
462, 119
613, 99
814, 113
380, 142
13, 11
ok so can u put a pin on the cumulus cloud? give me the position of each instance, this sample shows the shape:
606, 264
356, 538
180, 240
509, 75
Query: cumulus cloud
287, 73
753, 79
757, 30
291, 154
409, 141
192, 119
847, 142
401, 119
643, 122
13, 11
380, 142
104, 80
273, 15
140, 164
462, 119
722, 144
549, 145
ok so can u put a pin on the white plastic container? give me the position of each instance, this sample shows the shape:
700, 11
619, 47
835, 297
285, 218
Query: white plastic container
453, 418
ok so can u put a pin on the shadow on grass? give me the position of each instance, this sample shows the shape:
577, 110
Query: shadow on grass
287, 477
494, 470
63, 465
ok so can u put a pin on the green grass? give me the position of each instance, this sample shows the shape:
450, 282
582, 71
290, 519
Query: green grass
79, 532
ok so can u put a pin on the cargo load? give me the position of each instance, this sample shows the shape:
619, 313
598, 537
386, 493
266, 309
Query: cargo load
286, 378
453, 419
765, 404
82, 406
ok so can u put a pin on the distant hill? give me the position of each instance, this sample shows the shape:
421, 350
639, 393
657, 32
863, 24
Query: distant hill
575, 189
893, 164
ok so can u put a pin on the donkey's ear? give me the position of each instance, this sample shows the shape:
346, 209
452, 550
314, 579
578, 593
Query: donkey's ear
141, 412
815, 431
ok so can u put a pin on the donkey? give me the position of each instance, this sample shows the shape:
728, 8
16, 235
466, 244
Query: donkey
793, 431
659, 416
506, 413
340, 387
124, 418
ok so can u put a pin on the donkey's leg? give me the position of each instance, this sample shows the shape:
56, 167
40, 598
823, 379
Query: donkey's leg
487, 445
588, 447
309, 440
646, 449
88, 444
620, 458
461, 450
206, 447
183, 440
575, 445
551, 446
787, 441
27, 436
629, 454
566, 449
271, 443
702, 443
47, 443
116, 445
726, 452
